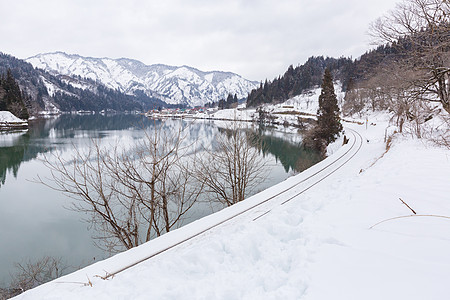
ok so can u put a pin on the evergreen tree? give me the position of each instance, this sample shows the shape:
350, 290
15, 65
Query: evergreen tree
328, 120
11, 96
229, 102
2, 96
221, 104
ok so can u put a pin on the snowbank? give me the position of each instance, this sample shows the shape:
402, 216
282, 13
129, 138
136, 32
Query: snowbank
320, 245
399, 259
234, 114
8, 117
9, 121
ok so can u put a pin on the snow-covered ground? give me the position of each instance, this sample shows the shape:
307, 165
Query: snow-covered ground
319, 245
8, 117
304, 106
10, 121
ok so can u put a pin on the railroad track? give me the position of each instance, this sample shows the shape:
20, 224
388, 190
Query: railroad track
283, 197
321, 174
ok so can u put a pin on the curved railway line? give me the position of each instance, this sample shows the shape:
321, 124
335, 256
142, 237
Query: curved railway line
284, 196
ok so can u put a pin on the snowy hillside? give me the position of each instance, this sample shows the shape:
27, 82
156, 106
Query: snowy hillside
174, 85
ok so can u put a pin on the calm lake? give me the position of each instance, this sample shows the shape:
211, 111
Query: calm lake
34, 219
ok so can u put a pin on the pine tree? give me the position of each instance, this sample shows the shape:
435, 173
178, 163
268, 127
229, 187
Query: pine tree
2, 94
328, 120
11, 96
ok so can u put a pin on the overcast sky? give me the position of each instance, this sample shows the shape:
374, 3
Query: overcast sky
257, 39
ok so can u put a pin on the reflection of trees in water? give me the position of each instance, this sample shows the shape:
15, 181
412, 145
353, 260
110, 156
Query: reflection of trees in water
10, 160
292, 156
12, 156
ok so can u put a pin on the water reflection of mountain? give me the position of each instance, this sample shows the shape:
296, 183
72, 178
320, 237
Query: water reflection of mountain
16, 148
45, 134
66, 125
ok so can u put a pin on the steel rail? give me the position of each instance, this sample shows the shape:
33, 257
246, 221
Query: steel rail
321, 179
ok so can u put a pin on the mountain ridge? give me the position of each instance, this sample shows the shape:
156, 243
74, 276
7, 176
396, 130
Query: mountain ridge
180, 85
45, 93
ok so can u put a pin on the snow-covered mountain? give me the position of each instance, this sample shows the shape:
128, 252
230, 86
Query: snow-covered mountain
174, 85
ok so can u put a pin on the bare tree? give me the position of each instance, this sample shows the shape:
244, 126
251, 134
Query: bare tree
389, 88
443, 137
354, 101
31, 274
233, 167
128, 195
420, 29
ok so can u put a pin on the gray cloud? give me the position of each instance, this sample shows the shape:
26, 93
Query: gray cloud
257, 39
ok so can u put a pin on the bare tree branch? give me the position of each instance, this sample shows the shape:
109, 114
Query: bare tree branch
129, 195
233, 168
421, 30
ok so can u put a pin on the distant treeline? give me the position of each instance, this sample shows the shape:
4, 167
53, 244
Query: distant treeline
297, 80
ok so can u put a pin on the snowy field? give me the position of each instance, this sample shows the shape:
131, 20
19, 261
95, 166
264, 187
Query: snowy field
319, 245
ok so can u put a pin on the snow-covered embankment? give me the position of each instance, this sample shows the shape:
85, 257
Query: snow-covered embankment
319, 245
9, 121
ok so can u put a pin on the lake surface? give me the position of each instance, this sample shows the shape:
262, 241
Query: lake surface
34, 219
